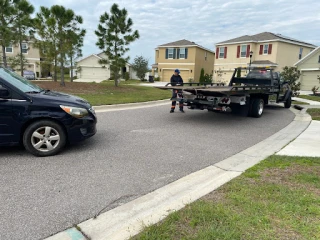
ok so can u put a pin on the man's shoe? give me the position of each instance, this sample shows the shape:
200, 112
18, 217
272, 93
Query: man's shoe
181, 110
171, 111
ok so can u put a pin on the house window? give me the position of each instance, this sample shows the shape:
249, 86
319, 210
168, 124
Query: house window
300, 53
9, 49
205, 56
319, 59
243, 51
182, 53
24, 47
265, 49
170, 53
221, 52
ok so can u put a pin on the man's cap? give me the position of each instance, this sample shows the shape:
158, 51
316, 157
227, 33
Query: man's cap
177, 71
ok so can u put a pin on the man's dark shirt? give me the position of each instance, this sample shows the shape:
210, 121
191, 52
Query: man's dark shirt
176, 80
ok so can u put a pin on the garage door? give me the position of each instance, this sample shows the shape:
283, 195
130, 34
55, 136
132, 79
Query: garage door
309, 79
167, 74
94, 73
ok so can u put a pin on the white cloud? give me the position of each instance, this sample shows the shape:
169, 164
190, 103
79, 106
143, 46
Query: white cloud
205, 22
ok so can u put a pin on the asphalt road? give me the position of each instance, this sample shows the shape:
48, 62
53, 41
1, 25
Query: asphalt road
133, 153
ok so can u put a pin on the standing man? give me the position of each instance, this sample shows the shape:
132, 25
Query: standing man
176, 80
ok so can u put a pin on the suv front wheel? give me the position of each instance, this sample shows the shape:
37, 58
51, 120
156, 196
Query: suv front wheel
44, 138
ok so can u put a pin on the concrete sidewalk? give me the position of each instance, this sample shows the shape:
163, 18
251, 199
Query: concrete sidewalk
306, 101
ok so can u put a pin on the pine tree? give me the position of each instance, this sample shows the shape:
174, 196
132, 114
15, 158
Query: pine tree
6, 21
22, 25
57, 28
202, 79
114, 35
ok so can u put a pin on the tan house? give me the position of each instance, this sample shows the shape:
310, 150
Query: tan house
31, 54
262, 50
309, 67
187, 56
89, 69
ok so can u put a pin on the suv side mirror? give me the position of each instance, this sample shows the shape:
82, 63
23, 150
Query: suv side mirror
4, 93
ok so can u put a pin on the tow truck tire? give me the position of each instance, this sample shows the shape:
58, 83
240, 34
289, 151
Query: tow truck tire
287, 103
257, 108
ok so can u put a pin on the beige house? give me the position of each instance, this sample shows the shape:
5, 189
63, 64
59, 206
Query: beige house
31, 54
89, 68
262, 50
187, 56
309, 67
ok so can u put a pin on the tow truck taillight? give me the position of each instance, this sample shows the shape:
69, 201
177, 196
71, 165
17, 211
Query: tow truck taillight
225, 100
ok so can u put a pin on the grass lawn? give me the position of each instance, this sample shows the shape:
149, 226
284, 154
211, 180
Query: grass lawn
313, 98
315, 113
277, 199
106, 93
299, 103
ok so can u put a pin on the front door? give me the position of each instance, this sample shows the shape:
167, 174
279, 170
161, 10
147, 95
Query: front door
6, 118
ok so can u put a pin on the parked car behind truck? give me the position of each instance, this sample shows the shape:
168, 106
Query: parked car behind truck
42, 120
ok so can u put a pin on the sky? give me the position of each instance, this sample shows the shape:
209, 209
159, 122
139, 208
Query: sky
204, 22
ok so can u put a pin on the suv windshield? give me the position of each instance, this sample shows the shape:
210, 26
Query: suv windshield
18, 81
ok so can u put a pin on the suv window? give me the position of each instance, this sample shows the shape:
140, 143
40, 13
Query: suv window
18, 81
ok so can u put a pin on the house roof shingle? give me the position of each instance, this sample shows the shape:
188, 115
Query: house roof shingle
184, 42
179, 43
264, 36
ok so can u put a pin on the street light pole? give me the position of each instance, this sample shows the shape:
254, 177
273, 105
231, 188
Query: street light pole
251, 53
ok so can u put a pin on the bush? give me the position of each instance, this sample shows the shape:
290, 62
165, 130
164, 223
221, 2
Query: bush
292, 75
207, 78
157, 79
315, 90
202, 79
126, 76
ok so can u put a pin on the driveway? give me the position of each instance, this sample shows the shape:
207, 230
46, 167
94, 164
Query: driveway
133, 153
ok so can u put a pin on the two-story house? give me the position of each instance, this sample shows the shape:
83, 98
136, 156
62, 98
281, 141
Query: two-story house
309, 66
185, 55
261, 50
30, 53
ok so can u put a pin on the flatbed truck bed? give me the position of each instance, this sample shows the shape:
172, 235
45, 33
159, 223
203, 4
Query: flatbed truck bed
247, 94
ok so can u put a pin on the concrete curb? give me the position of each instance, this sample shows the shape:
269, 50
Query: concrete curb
129, 219
127, 106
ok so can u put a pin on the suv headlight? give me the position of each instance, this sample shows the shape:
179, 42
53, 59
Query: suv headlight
75, 111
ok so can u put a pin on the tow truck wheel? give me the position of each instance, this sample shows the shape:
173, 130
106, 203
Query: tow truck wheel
287, 103
257, 108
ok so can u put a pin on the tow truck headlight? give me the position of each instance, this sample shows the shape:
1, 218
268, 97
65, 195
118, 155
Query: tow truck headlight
75, 111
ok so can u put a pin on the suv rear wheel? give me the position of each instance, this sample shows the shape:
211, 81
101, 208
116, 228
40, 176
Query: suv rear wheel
44, 138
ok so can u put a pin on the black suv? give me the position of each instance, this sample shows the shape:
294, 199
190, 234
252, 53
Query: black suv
42, 120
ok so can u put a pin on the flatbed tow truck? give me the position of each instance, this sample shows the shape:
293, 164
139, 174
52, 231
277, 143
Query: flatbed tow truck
247, 94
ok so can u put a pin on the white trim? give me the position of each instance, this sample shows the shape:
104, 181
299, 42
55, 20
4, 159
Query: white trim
95, 55
25, 49
88, 66
181, 69
267, 49
307, 56
11, 48
224, 48
37, 59
245, 51
310, 69
177, 63
223, 64
186, 46
266, 41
